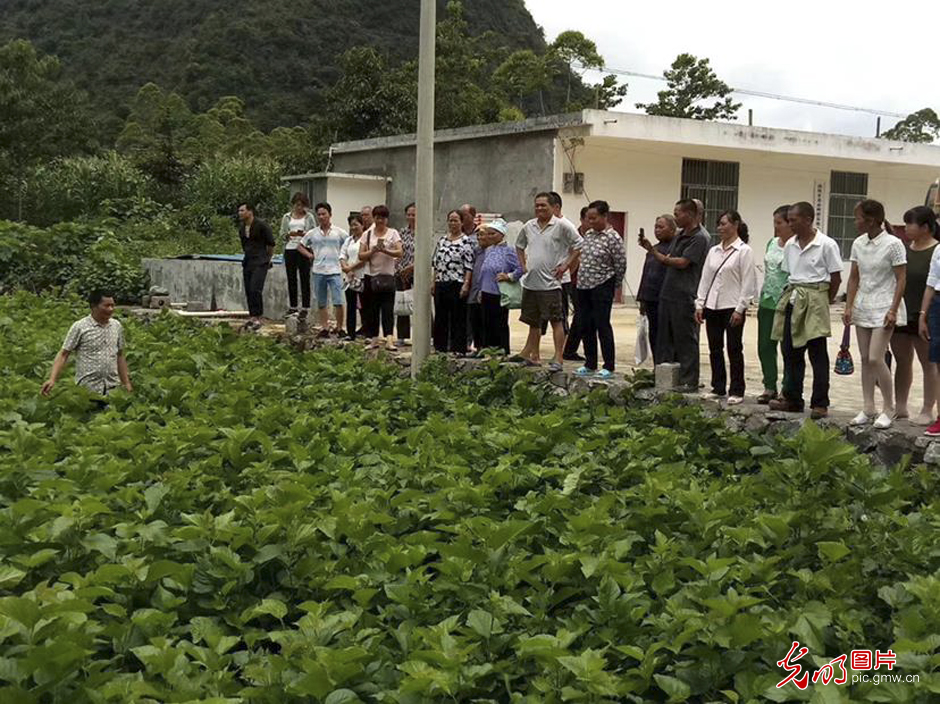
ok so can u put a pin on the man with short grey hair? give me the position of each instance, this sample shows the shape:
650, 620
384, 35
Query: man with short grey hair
548, 247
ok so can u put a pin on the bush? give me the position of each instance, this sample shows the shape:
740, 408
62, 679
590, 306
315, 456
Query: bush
110, 266
218, 187
69, 257
78, 186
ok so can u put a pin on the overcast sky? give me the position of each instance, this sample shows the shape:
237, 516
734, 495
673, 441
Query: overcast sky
837, 52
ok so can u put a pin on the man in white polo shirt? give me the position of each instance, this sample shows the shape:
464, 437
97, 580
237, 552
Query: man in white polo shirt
814, 267
548, 247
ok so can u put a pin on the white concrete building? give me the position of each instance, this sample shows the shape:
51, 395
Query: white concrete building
642, 164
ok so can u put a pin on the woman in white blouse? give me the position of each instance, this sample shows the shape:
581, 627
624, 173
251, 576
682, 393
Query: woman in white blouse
725, 291
293, 226
874, 303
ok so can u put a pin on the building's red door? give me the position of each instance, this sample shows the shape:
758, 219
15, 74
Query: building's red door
618, 220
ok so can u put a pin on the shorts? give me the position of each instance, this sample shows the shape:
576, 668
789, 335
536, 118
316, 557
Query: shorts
933, 325
909, 329
541, 306
328, 286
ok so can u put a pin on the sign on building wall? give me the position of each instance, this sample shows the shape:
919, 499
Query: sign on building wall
819, 201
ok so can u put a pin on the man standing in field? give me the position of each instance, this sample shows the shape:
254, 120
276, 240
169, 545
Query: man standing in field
98, 344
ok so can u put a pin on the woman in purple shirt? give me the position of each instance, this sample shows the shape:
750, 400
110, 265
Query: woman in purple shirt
500, 263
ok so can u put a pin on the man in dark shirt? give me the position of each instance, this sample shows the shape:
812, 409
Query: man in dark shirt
678, 336
651, 282
258, 245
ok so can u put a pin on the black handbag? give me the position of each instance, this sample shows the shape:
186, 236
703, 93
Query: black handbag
381, 283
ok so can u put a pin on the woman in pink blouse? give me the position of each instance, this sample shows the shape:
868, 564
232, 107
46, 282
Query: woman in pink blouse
380, 247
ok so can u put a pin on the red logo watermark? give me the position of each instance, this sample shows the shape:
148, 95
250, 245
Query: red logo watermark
861, 660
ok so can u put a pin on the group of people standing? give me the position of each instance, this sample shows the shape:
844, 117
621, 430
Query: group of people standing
687, 283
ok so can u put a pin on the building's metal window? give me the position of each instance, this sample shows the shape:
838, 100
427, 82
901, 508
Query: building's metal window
715, 183
846, 189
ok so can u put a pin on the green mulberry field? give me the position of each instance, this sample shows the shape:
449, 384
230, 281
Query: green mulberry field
256, 524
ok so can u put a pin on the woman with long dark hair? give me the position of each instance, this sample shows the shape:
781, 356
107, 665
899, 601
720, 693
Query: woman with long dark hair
726, 290
294, 225
874, 303
380, 248
922, 232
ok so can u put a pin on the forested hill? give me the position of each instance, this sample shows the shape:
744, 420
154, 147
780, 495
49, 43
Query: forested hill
277, 55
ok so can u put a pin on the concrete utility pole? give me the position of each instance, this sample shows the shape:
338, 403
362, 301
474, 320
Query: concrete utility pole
424, 189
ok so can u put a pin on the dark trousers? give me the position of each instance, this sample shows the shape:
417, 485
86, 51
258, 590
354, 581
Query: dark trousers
450, 321
794, 361
402, 322
298, 267
377, 306
495, 322
677, 340
352, 303
576, 329
595, 304
652, 317
475, 321
717, 327
254, 277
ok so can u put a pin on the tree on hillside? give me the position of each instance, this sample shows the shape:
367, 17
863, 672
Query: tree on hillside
692, 81
43, 115
371, 99
570, 48
167, 141
522, 74
922, 126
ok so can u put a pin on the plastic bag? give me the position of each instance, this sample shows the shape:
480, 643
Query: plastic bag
510, 293
404, 303
643, 350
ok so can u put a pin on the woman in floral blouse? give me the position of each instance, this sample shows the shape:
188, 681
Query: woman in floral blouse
405, 270
600, 274
453, 268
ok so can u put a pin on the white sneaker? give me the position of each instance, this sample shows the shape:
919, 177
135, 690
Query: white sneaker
710, 396
861, 419
883, 421
735, 400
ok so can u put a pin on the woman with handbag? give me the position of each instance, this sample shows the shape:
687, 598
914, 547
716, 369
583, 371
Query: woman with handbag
405, 275
453, 270
500, 266
726, 290
874, 303
379, 249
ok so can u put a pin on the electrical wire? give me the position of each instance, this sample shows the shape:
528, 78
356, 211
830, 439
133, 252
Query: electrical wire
755, 93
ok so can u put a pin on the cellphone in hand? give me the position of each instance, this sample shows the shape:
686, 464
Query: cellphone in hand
642, 235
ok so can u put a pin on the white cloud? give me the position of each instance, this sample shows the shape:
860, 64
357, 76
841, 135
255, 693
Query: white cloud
837, 52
